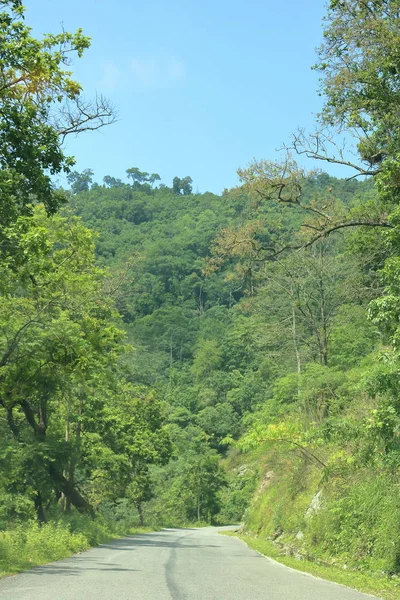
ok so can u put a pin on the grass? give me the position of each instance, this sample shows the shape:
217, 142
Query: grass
370, 583
30, 545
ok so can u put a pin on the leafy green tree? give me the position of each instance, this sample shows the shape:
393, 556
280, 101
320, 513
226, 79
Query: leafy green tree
208, 358
182, 186
140, 491
80, 182
53, 326
141, 179
40, 104
124, 435
188, 489
112, 182
359, 65
219, 422
59, 389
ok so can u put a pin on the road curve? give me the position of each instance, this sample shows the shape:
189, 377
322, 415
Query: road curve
173, 564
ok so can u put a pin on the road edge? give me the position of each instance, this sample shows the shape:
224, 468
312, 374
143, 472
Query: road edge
371, 585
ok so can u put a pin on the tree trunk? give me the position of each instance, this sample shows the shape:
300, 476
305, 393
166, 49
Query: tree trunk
324, 319
296, 349
65, 506
60, 482
70, 492
74, 460
139, 508
41, 517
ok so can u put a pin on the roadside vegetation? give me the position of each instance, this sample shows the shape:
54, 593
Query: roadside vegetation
29, 544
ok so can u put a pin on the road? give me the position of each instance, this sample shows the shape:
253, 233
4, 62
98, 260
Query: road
173, 564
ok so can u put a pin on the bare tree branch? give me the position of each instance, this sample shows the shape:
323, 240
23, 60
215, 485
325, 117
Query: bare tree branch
84, 116
318, 146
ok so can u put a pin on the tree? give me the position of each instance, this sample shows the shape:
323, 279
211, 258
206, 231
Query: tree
124, 435
40, 104
360, 66
80, 182
208, 357
141, 179
188, 488
317, 285
76, 428
285, 183
112, 182
136, 175
140, 491
182, 186
57, 335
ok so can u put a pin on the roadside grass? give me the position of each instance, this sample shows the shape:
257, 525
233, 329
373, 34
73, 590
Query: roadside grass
29, 545
378, 585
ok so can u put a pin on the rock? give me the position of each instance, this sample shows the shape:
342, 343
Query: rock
299, 535
277, 534
315, 505
267, 480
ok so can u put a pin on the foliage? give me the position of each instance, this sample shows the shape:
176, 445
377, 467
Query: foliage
359, 63
29, 544
40, 104
32, 545
60, 343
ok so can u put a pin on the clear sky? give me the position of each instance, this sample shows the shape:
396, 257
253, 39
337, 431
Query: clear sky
202, 87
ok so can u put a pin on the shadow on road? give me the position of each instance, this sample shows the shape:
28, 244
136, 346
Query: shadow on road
72, 571
129, 543
155, 544
78, 565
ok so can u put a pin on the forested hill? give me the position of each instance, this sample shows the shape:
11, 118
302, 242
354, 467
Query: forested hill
229, 338
182, 262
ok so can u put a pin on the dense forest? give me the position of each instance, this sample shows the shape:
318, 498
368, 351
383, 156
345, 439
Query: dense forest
170, 357
216, 328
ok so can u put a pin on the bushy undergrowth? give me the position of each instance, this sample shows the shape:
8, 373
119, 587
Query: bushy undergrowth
284, 493
28, 544
360, 522
356, 521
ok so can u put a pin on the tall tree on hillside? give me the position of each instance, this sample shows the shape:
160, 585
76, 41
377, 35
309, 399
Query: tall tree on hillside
53, 319
182, 186
141, 178
80, 182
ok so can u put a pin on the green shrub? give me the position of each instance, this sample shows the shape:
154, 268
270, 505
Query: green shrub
360, 523
29, 544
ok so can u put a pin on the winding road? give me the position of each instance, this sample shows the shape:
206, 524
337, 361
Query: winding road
173, 564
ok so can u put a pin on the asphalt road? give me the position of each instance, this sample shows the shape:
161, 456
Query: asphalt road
174, 564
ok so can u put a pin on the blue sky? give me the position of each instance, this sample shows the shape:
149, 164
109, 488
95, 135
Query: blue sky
201, 87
